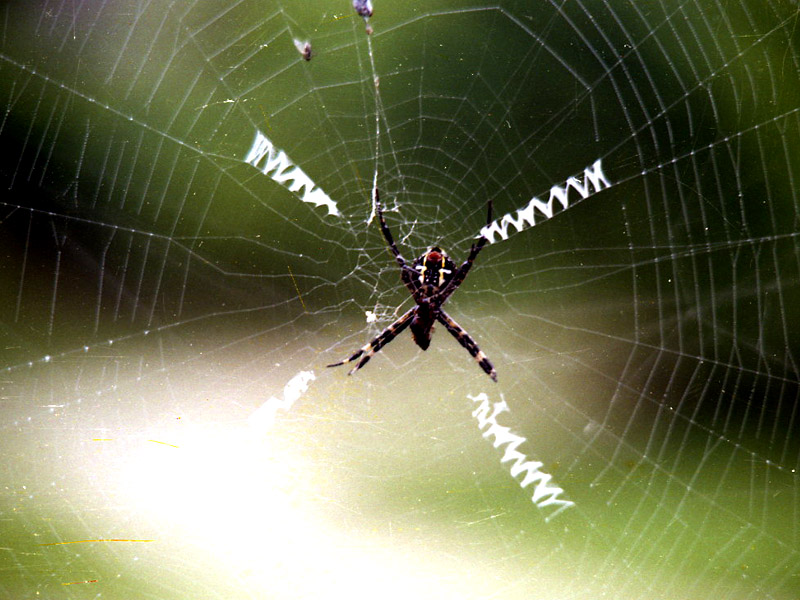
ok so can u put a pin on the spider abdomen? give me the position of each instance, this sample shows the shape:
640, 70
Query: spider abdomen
422, 325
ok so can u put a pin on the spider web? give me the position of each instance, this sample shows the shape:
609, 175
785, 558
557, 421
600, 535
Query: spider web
188, 237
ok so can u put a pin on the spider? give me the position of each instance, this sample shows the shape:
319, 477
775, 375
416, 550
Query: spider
432, 278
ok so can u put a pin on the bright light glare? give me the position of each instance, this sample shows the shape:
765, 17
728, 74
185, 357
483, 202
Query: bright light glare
255, 508
214, 484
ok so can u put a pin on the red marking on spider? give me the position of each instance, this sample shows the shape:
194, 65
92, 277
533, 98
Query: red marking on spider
434, 256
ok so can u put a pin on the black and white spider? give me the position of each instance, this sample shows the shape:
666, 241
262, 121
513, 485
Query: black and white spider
432, 278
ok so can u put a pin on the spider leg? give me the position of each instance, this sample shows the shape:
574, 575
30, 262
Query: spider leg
461, 272
406, 272
383, 338
465, 340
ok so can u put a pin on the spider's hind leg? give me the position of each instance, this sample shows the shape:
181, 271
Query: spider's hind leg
386, 336
468, 343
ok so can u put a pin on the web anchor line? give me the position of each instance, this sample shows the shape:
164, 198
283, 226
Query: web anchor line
594, 180
544, 495
280, 168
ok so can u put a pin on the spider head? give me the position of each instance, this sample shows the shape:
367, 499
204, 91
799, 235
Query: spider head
435, 268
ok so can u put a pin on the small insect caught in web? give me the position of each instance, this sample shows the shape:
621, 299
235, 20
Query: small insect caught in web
304, 48
364, 9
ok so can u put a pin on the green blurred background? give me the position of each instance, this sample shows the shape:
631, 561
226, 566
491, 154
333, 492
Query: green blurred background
156, 290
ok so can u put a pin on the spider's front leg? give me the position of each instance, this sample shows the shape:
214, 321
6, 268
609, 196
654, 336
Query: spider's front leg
461, 272
386, 336
406, 272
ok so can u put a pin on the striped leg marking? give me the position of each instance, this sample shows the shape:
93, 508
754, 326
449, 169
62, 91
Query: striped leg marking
465, 340
386, 336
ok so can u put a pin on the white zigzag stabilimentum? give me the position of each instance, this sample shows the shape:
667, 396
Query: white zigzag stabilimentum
593, 181
280, 169
544, 495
